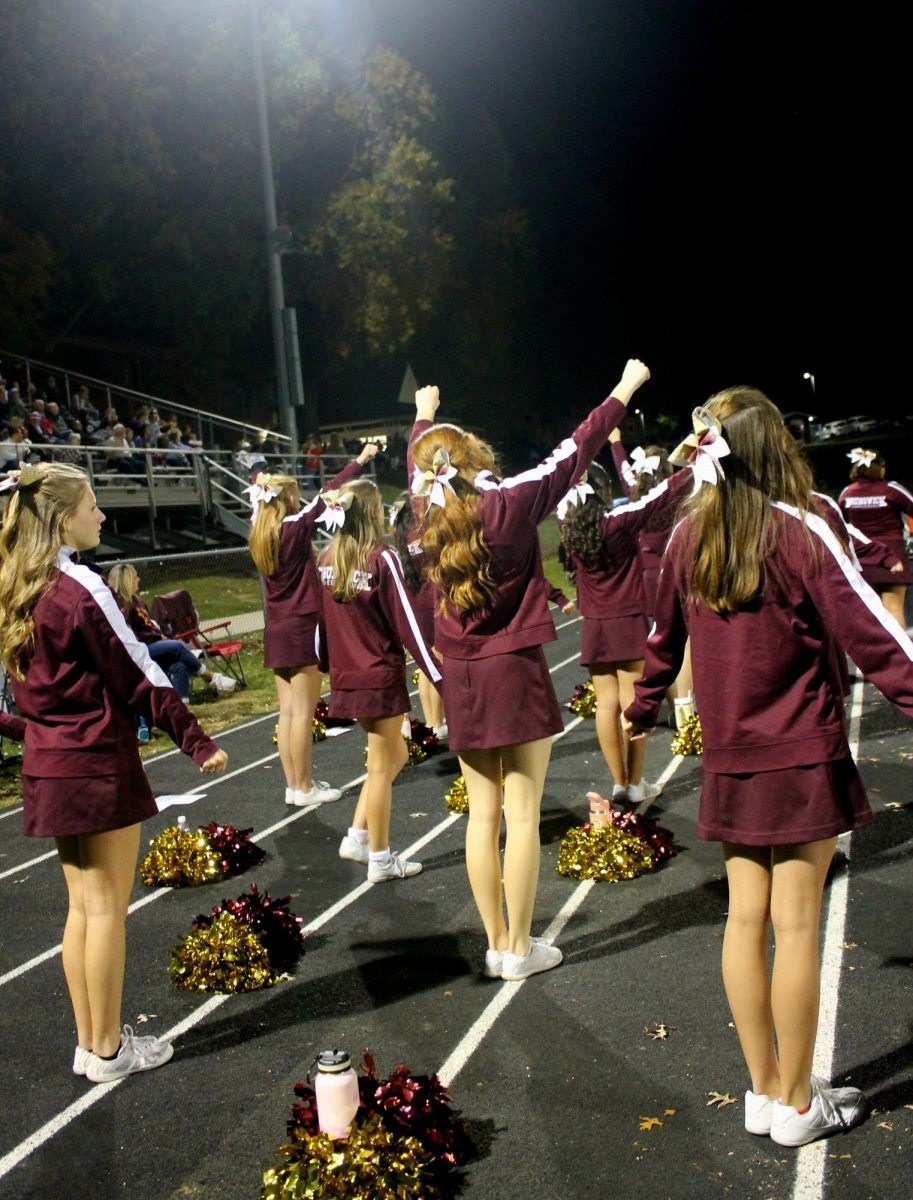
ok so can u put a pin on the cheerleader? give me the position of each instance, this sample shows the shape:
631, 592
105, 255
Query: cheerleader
601, 549
767, 593
368, 619
482, 544
280, 545
876, 507
81, 680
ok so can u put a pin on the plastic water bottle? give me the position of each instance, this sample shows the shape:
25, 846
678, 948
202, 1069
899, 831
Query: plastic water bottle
143, 732
182, 823
336, 1089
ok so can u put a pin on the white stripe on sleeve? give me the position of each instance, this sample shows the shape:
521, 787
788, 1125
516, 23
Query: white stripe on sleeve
566, 450
898, 487
104, 598
396, 570
819, 526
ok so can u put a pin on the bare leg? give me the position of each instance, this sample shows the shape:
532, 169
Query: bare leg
634, 751
74, 939
482, 771
431, 702
106, 867
608, 720
387, 755
298, 691
799, 873
745, 962
684, 684
893, 599
525, 767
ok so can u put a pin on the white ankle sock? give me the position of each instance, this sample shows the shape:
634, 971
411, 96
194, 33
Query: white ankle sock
380, 856
358, 835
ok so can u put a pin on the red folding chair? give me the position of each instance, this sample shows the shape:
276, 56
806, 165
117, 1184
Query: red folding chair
175, 614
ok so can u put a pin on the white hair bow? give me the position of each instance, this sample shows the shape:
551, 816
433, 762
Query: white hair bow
703, 449
261, 491
862, 458
433, 482
336, 505
577, 495
643, 463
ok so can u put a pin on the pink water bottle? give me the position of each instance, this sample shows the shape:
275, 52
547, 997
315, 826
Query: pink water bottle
336, 1089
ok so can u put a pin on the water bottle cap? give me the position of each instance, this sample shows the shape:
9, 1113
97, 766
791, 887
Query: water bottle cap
182, 821
332, 1061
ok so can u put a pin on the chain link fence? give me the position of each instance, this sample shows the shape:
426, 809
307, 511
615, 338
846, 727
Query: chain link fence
223, 584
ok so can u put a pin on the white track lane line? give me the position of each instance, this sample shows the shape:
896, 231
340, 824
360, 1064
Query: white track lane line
10, 812
811, 1160
37, 1139
473, 1038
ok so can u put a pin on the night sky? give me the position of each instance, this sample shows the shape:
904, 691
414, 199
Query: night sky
709, 180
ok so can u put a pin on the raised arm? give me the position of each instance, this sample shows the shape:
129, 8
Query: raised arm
623, 468
539, 490
621, 523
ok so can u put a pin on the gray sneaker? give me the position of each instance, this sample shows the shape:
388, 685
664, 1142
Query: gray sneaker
135, 1054
396, 868
832, 1110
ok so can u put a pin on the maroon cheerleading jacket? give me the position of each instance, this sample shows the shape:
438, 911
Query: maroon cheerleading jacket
652, 538
766, 681
865, 552
292, 590
511, 510
615, 587
86, 681
366, 635
875, 506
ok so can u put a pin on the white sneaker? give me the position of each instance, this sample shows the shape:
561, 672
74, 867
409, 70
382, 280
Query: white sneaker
289, 795
541, 957
222, 683
758, 1111
320, 793
619, 793
494, 960
396, 868
359, 852
832, 1110
441, 732
639, 792
135, 1054
81, 1060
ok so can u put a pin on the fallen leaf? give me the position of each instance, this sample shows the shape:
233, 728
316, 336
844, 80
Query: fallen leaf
908, 1106
851, 945
650, 1122
669, 1112
840, 1156
659, 1034
886, 1125
418, 814
720, 1099
448, 993
890, 803
144, 1017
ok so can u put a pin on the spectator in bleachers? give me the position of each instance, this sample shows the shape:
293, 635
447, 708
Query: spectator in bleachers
69, 451
33, 428
56, 422
14, 444
119, 453
311, 450
16, 404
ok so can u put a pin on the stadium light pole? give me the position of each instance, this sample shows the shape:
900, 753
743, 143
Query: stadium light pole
284, 322
811, 379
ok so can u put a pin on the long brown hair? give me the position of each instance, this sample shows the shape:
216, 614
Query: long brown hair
646, 481
30, 540
363, 530
731, 531
583, 533
267, 520
459, 559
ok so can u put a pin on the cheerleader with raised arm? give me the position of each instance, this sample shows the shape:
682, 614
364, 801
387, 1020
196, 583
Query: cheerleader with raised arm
81, 681
770, 598
877, 506
482, 543
368, 619
601, 549
280, 545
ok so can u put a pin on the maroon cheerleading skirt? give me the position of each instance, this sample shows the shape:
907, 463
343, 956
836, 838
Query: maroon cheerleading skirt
881, 577
616, 639
371, 703
503, 700
291, 643
783, 807
67, 807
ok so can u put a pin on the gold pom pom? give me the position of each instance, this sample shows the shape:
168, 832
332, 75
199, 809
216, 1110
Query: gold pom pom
227, 956
416, 753
371, 1161
457, 798
688, 740
276, 734
603, 852
415, 675
180, 858
583, 702
319, 730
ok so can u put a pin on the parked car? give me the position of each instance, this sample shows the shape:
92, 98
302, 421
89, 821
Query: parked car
835, 429
862, 424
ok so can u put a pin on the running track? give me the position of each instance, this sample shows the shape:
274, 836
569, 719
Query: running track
554, 1074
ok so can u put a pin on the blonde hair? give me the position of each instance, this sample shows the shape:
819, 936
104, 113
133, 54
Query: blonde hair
363, 530
267, 521
30, 540
121, 581
731, 531
459, 559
